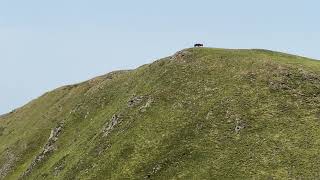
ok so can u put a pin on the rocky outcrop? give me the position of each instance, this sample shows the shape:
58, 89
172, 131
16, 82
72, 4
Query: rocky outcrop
181, 55
115, 120
134, 101
142, 102
47, 149
139, 100
9, 162
147, 105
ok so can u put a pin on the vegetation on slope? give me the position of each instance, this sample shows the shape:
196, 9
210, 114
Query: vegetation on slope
202, 113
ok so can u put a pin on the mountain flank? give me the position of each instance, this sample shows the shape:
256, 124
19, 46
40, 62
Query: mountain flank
202, 113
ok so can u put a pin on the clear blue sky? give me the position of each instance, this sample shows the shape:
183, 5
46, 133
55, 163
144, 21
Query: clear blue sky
45, 44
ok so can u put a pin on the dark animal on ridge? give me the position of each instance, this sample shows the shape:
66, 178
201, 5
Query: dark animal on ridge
198, 45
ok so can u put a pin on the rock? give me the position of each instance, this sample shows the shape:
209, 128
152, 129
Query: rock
155, 169
87, 114
8, 164
115, 120
147, 105
180, 55
239, 126
135, 101
58, 169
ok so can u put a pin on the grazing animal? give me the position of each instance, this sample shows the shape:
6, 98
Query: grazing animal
198, 45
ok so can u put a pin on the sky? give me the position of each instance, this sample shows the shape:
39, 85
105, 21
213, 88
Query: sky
45, 44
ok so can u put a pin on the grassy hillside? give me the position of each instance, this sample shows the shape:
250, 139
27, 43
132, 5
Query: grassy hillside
202, 113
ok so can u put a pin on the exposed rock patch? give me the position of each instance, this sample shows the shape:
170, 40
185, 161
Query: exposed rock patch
108, 76
147, 105
115, 120
154, 171
239, 126
250, 76
134, 101
48, 148
9, 162
60, 165
181, 55
138, 100
293, 80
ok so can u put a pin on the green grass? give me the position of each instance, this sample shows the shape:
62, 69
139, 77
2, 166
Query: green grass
187, 130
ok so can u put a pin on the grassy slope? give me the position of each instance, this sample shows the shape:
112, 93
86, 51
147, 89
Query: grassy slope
183, 127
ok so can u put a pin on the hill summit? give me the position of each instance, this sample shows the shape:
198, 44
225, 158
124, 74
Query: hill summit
202, 113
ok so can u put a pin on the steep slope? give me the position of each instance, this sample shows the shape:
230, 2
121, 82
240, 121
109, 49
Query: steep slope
202, 113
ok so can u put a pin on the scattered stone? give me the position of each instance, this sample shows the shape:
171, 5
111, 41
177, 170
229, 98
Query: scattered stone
239, 126
60, 165
147, 105
180, 55
58, 169
87, 114
177, 105
278, 85
251, 76
147, 176
6, 167
155, 169
115, 120
135, 101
